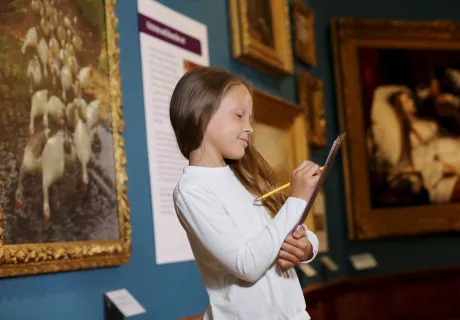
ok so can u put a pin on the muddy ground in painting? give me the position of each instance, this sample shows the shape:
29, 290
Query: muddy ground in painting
58, 46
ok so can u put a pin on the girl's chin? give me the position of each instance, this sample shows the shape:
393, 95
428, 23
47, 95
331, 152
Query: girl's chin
235, 155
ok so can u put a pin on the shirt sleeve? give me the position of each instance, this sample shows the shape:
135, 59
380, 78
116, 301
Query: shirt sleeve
313, 238
204, 217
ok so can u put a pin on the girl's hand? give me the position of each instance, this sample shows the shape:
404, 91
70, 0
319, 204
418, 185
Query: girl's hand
295, 248
304, 179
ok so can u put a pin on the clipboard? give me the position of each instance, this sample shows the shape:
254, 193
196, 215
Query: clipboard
330, 158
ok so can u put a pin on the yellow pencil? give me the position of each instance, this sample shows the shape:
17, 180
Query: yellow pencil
276, 190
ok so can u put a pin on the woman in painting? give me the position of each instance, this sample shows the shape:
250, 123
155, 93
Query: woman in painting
425, 150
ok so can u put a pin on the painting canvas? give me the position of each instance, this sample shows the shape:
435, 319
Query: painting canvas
280, 135
277, 153
320, 221
61, 153
304, 33
311, 97
260, 22
399, 96
411, 101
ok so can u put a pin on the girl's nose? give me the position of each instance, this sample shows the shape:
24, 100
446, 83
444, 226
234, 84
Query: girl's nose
248, 129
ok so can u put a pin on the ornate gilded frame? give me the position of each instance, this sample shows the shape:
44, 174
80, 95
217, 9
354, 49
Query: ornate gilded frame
27, 259
287, 118
276, 61
304, 51
311, 97
348, 34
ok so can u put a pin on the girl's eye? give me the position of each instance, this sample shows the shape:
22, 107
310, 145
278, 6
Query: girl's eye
239, 116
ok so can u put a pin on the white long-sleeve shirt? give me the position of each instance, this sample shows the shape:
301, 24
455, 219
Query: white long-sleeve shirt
236, 245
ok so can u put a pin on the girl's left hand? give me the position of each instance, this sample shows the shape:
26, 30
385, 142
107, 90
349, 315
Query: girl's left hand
295, 248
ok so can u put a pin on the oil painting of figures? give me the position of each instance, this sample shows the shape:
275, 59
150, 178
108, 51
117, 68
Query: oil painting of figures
411, 111
57, 172
260, 21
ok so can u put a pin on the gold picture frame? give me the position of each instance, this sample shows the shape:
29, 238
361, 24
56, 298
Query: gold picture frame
304, 31
311, 97
261, 35
32, 257
280, 135
381, 67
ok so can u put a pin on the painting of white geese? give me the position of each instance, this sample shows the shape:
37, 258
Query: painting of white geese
57, 87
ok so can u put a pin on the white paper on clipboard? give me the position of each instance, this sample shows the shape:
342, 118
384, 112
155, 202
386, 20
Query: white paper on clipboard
330, 158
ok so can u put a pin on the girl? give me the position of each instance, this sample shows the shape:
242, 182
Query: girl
236, 243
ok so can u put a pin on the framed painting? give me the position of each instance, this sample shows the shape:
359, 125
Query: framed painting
280, 136
320, 222
261, 35
304, 31
311, 97
63, 199
398, 85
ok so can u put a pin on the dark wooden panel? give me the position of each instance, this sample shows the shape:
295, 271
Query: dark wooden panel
434, 300
430, 294
418, 295
363, 305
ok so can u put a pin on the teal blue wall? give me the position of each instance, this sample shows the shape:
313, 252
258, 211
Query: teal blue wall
171, 291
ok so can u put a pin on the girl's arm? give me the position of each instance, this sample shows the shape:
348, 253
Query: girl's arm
202, 215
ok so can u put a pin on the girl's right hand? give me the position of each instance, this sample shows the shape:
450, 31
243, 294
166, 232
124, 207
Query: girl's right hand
304, 179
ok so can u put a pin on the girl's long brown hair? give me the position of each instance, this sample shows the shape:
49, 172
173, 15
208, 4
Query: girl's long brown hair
194, 102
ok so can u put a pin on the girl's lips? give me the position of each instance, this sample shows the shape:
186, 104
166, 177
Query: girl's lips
244, 140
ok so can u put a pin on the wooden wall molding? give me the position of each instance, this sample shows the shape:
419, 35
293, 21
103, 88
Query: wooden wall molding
425, 294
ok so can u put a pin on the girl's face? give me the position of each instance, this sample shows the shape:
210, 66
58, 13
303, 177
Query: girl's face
407, 104
227, 134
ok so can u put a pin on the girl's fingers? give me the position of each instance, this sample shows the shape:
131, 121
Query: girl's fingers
288, 257
304, 164
293, 247
313, 170
285, 264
